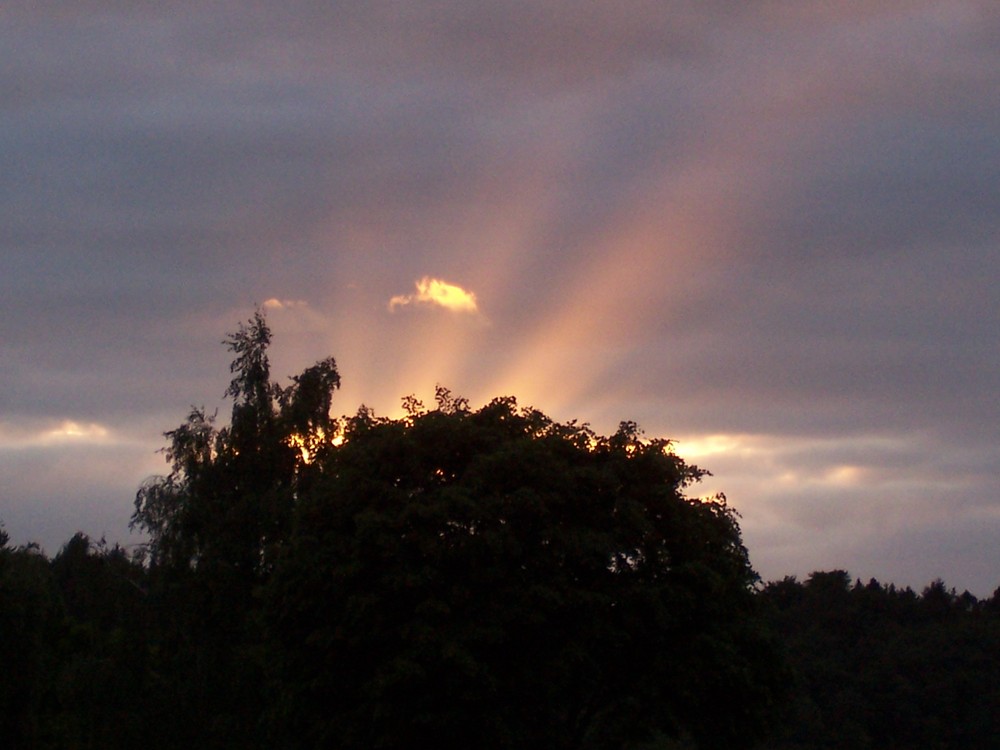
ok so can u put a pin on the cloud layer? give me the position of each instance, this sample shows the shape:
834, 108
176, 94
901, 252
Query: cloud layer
770, 223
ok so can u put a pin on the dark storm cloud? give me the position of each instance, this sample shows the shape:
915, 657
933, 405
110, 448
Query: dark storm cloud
776, 221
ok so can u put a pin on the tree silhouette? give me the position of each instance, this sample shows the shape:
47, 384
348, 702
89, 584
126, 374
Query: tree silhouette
216, 524
31, 623
227, 501
498, 579
876, 666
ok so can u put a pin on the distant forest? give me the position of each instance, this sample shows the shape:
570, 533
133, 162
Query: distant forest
461, 578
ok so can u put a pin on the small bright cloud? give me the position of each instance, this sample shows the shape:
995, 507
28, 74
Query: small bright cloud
70, 430
710, 445
283, 304
66, 431
437, 292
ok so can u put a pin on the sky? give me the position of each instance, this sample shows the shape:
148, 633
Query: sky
769, 231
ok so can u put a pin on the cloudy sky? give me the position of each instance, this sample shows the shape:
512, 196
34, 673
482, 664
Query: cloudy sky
768, 230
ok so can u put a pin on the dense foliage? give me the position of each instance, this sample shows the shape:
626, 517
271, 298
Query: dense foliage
492, 578
457, 578
880, 667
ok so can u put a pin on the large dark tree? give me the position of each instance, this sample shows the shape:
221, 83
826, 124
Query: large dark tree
454, 578
496, 579
216, 524
227, 501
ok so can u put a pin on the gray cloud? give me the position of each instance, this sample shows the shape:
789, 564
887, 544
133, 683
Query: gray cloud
774, 220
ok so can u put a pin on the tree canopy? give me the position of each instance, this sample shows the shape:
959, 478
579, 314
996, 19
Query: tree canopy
494, 577
228, 498
881, 667
457, 574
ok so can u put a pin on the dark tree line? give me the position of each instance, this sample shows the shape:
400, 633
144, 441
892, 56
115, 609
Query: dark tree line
881, 667
457, 578
74, 647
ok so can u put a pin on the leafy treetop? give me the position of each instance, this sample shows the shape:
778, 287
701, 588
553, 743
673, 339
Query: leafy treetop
228, 497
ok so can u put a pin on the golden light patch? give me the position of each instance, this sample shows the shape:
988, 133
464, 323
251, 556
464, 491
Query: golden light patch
432, 291
845, 474
71, 429
710, 445
282, 304
64, 432
303, 444
297, 441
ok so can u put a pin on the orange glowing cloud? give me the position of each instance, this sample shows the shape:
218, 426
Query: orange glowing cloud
437, 292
